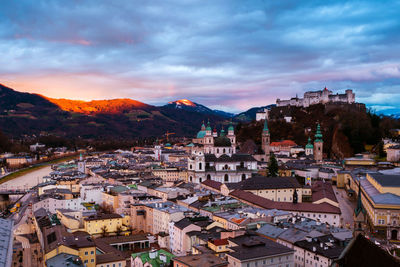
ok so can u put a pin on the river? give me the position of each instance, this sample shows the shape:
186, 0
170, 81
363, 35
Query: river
28, 180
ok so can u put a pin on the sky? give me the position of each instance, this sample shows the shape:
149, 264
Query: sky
230, 55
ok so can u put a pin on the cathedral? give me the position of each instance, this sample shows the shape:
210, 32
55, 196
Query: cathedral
214, 157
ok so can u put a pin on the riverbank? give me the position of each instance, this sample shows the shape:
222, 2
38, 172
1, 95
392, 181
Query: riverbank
35, 167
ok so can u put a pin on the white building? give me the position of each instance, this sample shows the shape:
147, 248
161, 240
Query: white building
262, 115
318, 97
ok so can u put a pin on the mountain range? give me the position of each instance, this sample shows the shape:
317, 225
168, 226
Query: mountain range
27, 114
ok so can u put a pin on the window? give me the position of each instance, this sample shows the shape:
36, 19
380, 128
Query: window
86, 261
92, 260
92, 252
86, 253
226, 178
199, 165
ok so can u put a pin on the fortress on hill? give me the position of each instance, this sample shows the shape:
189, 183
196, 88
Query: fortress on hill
318, 97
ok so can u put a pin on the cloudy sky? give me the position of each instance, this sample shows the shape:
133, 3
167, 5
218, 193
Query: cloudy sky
229, 54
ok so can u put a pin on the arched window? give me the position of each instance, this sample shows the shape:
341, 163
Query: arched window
226, 178
243, 177
226, 167
191, 178
224, 151
217, 150
200, 166
200, 180
190, 166
208, 177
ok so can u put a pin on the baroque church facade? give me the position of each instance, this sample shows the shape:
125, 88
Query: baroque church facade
214, 157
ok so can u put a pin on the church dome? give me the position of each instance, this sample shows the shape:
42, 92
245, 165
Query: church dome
309, 144
222, 141
201, 134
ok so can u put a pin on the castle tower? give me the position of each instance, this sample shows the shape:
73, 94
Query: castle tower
265, 139
318, 145
309, 148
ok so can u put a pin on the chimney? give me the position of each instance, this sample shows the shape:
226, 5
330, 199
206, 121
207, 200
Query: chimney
153, 254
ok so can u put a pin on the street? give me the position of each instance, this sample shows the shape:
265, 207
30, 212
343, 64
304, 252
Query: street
346, 206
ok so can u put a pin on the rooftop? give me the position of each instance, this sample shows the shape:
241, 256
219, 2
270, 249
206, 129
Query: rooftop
250, 247
203, 260
386, 180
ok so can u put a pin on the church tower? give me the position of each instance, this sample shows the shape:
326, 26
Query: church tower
265, 139
232, 137
309, 148
81, 164
157, 150
359, 216
318, 145
208, 139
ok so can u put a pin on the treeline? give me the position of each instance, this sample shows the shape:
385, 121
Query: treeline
54, 141
346, 130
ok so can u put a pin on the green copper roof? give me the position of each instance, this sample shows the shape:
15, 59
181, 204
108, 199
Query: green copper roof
360, 207
318, 134
222, 132
167, 144
208, 126
156, 262
265, 126
201, 134
230, 128
309, 144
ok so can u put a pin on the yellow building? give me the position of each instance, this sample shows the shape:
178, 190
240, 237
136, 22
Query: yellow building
380, 196
218, 246
57, 240
110, 200
104, 224
170, 174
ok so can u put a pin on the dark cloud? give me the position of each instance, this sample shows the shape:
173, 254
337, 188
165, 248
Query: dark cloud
220, 53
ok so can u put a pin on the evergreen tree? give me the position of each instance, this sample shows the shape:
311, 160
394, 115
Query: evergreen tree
273, 166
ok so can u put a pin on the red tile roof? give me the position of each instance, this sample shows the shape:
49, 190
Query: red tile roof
220, 242
261, 202
286, 143
322, 190
212, 184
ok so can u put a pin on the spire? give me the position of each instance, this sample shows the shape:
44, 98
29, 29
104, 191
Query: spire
222, 132
318, 134
208, 126
230, 128
295, 196
203, 127
265, 130
359, 207
309, 144
80, 157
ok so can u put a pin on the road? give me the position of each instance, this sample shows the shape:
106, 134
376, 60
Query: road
346, 207
27, 250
